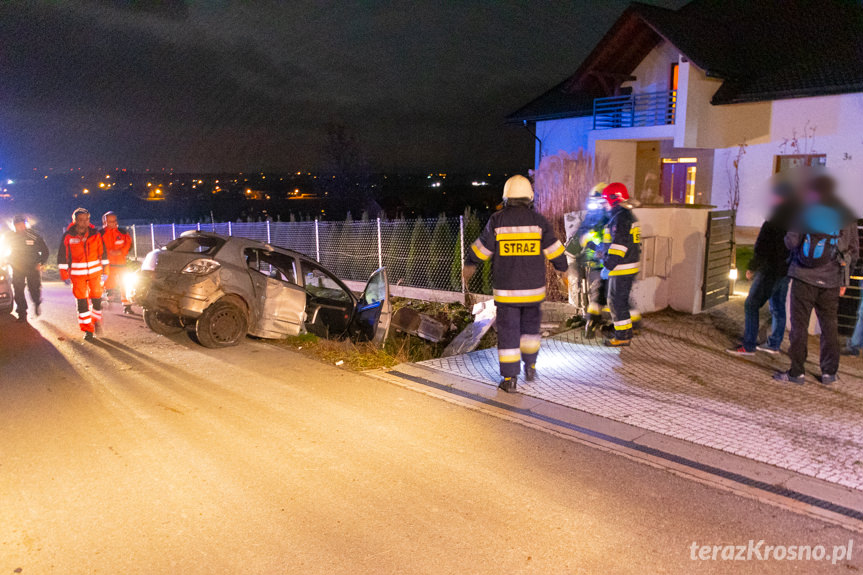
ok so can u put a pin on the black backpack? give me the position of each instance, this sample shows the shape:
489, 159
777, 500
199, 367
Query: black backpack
820, 245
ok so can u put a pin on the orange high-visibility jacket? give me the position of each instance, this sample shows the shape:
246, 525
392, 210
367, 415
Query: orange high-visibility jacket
118, 243
81, 256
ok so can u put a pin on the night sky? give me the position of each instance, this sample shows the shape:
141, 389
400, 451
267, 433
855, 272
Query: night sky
215, 86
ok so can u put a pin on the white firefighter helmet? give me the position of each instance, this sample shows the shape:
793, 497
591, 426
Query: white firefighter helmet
517, 187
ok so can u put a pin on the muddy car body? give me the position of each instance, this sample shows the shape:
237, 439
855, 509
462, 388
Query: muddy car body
227, 287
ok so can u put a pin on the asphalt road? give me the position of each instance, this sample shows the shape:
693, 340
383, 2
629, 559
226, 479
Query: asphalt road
142, 454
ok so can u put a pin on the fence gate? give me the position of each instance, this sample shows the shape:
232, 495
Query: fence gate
850, 302
717, 258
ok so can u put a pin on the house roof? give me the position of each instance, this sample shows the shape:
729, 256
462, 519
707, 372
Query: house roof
764, 50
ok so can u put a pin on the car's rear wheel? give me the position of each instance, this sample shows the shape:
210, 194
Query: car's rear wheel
161, 323
223, 324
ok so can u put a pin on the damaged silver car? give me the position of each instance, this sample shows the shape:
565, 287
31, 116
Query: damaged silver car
224, 288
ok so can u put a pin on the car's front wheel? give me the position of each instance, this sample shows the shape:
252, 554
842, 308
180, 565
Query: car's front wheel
161, 323
223, 324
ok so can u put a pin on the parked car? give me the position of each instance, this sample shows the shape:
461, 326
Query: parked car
227, 287
6, 301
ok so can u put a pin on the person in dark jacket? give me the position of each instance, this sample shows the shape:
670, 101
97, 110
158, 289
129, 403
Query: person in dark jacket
28, 253
768, 272
824, 247
519, 241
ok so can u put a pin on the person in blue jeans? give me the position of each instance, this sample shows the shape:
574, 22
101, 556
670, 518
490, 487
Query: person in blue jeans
854, 346
768, 271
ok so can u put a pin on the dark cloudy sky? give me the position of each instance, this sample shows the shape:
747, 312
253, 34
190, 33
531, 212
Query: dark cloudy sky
217, 85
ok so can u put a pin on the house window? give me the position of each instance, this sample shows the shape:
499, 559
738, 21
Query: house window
675, 68
790, 161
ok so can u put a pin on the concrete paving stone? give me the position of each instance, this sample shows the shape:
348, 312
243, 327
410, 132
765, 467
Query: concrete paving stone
677, 380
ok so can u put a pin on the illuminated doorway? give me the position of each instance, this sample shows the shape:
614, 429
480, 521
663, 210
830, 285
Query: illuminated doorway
678, 180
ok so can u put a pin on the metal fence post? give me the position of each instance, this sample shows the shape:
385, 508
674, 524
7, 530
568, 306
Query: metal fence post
135, 241
461, 245
380, 248
317, 243
199, 226
173, 231
268, 231
152, 236
230, 233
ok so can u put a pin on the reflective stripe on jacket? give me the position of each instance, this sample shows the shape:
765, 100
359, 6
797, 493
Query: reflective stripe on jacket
622, 242
81, 255
519, 241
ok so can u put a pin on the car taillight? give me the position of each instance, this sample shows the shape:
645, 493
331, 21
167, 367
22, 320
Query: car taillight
202, 267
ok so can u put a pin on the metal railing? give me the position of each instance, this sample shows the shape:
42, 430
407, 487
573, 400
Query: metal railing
420, 253
635, 110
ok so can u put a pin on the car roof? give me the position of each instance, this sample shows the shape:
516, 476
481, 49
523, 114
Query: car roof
247, 242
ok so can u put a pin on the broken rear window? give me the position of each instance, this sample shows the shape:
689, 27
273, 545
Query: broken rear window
196, 245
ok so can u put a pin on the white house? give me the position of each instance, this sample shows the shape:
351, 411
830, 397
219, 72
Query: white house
669, 97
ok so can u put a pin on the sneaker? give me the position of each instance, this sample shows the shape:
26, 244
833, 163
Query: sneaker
88, 336
784, 376
507, 384
529, 372
850, 351
614, 342
127, 310
827, 379
740, 350
767, 349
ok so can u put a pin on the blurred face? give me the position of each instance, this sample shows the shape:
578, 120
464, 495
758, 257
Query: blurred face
111, 222
20, 226
82, 222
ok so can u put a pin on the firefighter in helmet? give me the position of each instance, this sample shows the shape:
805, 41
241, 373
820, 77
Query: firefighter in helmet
584, 246
621, 256
82, 259
519, 241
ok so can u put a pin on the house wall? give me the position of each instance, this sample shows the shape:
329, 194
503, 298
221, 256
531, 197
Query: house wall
838, 125
621, 160
654, 72
568, 134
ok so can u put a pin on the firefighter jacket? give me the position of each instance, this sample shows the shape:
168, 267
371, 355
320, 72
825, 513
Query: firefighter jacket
518, 240
118, 242
27, 250
81, 256
621, 249
586, 242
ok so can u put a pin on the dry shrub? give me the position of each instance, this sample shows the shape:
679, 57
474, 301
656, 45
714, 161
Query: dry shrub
561, 185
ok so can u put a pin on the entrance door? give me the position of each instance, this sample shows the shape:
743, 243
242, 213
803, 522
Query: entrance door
678, 181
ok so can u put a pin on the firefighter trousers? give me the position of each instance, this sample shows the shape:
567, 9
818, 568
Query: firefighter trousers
517, 336
619, 289
88, 291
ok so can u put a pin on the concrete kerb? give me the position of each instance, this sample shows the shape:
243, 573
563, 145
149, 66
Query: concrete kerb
746, 477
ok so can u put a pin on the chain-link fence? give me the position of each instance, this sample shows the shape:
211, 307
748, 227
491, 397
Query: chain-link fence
421, 253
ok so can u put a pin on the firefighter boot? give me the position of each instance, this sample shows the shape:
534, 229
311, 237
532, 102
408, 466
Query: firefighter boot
88, 336
590, 328
529, 372
507, 384
614, 342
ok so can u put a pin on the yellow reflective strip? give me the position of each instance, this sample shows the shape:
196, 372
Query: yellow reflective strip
526, 236
623, 272
616, 253
530, 348
556, 252
478, 253
623, 327
519, 298
514, 358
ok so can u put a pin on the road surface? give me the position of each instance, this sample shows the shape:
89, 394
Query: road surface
144, 454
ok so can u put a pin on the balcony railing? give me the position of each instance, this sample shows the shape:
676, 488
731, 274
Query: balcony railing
635, 110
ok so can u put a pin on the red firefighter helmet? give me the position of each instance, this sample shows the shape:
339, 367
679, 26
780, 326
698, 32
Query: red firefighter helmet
615, 193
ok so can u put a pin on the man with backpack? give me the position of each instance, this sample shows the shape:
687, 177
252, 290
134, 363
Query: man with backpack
824, 247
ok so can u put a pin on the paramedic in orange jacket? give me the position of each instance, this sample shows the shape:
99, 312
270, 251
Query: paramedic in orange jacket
117, 243
82, 259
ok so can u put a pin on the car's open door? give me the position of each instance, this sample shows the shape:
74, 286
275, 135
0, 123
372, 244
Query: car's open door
279, 302
372, 318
